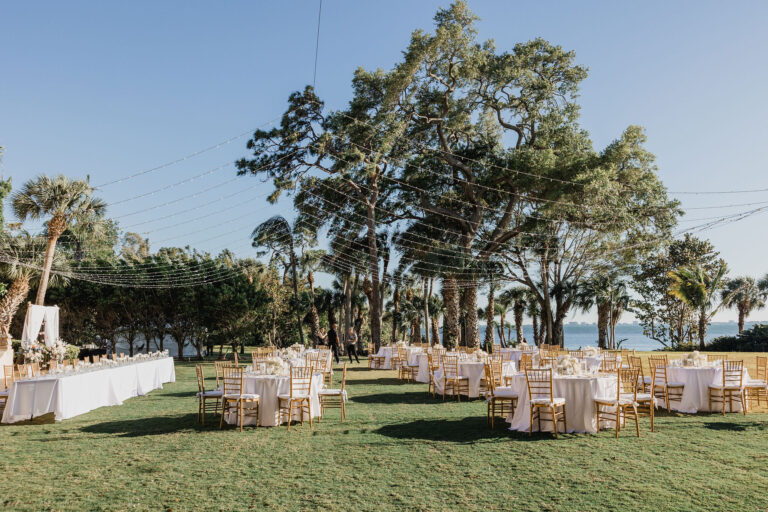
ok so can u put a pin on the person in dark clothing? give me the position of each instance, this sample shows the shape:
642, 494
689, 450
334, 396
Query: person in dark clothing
333, 342
352, 344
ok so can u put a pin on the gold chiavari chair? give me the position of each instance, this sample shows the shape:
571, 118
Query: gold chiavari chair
547, 362
23, 371
96, 358
643, 382
204, 397
374, 361
622, 404
434, 362
403, 371
233, 397
409, 371
300, 393
711, 358
452, 380
526, 361
52, 364
660, 385
501, 400
541, 397
6, 387
609, 363
218, 368
335, 398
731, 389
576, 354
757, 388
397, 360
324, 366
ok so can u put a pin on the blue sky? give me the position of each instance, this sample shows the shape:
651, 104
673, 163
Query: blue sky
110, 89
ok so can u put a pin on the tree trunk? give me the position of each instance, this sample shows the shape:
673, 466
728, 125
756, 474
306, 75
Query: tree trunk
373, 264
347, 309
395, 313
435, 331
489, 316
603, 311
742, 317
10, 303
469, 305
702, 329
427, 322
519, 310
314, 317
451, 316
296, 306
50, 249
535, 320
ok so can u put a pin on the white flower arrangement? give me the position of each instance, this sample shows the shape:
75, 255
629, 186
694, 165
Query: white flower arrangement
401, 344
33, 353
591, 351
273, 366
694, 359
567, 365
57, 351
479, 356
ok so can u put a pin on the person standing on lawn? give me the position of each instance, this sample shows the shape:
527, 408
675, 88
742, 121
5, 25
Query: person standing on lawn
333, 341
352, 344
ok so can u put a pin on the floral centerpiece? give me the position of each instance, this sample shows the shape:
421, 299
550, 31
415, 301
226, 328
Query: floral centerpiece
401, 344
591, 351
274, 366
478, 355
694, 359
56, 352
567, 365
292, 352
33, 352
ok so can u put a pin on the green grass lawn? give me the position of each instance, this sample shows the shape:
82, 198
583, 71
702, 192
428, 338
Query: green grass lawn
398, 450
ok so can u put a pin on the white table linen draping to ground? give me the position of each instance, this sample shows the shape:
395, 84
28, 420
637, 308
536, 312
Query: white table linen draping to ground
475, 371
696, 392
389, 352
423, 361
71, 395
579, 393
268, 387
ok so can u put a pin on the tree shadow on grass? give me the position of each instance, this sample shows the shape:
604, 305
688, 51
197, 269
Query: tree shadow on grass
381, 382
408, 397
736, 427
464, 430
153, 426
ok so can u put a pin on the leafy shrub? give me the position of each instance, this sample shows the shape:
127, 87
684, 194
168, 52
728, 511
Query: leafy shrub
750, 340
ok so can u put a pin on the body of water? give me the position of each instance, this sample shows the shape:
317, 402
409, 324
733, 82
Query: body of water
582, 335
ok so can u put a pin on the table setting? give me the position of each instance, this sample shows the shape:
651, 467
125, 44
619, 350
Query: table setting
69, 391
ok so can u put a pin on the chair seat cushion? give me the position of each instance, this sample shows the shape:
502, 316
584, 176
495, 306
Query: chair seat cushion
755, 383
460, 377
727, 388
646, 380
244, 396
547, 401
505, 393
297, 396
624, 400
671, 384
329, 392
214, 393
642, 397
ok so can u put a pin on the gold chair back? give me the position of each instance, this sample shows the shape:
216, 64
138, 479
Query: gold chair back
539, 381
301, 380
733, 373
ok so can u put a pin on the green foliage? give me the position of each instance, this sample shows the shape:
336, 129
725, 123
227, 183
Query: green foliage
750, 340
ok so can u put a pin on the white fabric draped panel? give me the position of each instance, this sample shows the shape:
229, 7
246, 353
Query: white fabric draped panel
34, 321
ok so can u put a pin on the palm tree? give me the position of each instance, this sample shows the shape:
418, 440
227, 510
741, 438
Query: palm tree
697, 288
278, 236
744, 294
63, 202
15, 249
517, 297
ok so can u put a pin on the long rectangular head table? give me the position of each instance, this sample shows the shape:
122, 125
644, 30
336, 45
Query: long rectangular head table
71, 395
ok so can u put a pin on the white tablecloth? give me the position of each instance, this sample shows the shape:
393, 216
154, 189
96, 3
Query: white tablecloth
71, 395
515, 354
389, 352
268, 387
696, 392
475, 371
579, 393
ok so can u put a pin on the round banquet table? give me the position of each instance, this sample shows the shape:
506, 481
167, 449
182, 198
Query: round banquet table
268, 387
696, 392
388, 352
475, 371
515, 354
579, 392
